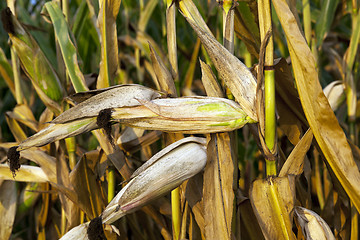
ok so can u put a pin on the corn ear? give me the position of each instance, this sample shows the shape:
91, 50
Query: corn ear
186, 115
163, 172
312, 225
114, 97
335, 94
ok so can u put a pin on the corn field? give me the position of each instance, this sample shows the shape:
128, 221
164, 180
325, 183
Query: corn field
179, 119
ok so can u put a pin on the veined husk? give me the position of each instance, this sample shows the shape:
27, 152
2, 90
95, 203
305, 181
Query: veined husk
186, 115
163, 172
55, 132
312, 225
335, 93
113, 97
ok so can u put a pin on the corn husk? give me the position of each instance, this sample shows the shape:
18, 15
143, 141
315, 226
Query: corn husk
312, 225
335, 94
114, 97
186, 115
163, 172
55, 132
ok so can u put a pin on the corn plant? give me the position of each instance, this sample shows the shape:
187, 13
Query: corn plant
179, 119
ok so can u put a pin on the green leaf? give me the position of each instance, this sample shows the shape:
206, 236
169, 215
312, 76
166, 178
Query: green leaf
68, 49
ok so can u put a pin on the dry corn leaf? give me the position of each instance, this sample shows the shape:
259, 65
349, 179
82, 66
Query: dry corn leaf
295, 162
171, 38
219, 188
220, 174
164, 77
24, 174
246, 28
7, 208
109, 64
46, 162
15, 128
211, 85
273, 201
6, 72
335, 93
23, 114
312, 225
235, 74
319, 114
88, 188
250, 228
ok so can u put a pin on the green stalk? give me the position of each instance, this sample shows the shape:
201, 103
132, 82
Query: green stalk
351, 100
269, 76
307, 20
111, 184
176, 213
172, 51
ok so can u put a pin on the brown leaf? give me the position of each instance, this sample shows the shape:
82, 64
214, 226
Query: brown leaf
321, 118
109, 64
7, 208
235, 74
295, 162
273, 200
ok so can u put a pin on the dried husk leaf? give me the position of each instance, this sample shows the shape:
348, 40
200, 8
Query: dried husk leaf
109, 64
7, 208
189, 10
22, 113
273, 201
186, 115
115, 97
219, 175
173, 165
15, 128
164, 77
246, 28
211, 85
88, 189
312, 225
24, 174
235, 74
46, 162
335, 94
319, 114
218, 188
55, 132
295, 162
